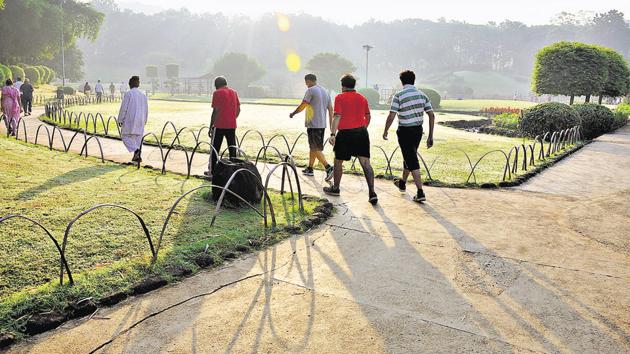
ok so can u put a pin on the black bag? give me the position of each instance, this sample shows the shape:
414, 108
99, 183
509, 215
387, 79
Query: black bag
247, 185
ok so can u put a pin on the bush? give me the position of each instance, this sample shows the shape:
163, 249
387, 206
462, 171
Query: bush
32, 74
373, 97
595, 119
621, 115
17, 72
548, 117
48, 75
67, 90
42, 73
6, 73
434, 97
507, 120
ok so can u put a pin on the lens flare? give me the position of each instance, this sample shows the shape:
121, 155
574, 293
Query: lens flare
294, 62
284, 23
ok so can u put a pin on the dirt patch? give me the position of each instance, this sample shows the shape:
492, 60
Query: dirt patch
484, 274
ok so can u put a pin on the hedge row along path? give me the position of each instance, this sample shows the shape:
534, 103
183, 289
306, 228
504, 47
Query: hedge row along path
541, 268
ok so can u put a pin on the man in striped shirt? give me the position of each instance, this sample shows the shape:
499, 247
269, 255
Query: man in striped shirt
410, 104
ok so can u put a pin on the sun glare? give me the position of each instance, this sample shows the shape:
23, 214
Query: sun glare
294, 62
284, 24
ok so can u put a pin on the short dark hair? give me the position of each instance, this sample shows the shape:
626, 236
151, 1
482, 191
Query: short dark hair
310, 77
19, 78
408, 77
348, 81
219, 82
134, 81
9, 82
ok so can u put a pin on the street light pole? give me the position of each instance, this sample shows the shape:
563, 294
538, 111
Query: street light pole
63, 50
367, 48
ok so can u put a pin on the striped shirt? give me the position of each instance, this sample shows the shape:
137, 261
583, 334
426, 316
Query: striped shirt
410, 104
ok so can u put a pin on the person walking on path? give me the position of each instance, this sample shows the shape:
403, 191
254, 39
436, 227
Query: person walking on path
132, 117
18, 83
99, 89
349, 135
123, 89
87, 89
11, 106
112, 89
226, 108
26, 91
410, 104
319, 109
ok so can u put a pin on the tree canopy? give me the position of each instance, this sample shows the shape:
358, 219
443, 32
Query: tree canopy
31, 30
570, 69
239, 69
329, 68
618, 83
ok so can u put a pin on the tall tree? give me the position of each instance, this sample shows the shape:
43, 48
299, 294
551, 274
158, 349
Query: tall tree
329, 68
570, 69
239, 69
618, 83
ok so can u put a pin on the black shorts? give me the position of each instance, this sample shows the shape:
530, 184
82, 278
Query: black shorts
315, 138
409, 141
352, 142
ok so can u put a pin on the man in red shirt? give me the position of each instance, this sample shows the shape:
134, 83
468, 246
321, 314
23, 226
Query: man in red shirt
350, 136
225, 109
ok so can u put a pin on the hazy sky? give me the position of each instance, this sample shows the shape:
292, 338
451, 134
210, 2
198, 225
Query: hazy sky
354, 12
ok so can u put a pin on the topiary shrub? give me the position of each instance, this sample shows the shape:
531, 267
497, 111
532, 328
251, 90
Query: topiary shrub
595, 119
6, 73
372, 96
548, 117
67, 90
17, 72
32, 74
433, 95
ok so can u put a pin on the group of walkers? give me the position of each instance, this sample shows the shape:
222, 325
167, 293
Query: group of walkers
348, 117
17, 97
99, 90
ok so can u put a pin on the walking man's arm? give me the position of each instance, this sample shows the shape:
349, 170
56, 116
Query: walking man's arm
333, 128
299, 109
388, 124
431, 124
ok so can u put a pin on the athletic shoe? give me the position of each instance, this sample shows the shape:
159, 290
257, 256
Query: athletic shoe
373, 198
334, 191
208, 175
329, 173
308, 171
401, 185
419, 197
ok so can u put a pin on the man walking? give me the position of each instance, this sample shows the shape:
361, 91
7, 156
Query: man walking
27, 96
123, 89
226, 107
112, 89
18, 83
410, 104
99, 89
351, 120
318, 107
132, 117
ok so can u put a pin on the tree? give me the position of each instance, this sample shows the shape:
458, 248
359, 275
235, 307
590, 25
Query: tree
618, 83
570, 69
329, 68
17, 72
239, 69
33, 74
152, 71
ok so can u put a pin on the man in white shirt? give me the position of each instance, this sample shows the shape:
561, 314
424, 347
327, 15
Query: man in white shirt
122, 88
132, 117
99, 89
18, 83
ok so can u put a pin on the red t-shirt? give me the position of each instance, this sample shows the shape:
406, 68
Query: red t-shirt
352, 107
226, 101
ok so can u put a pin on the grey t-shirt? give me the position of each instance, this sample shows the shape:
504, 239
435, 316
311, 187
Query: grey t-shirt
317, 110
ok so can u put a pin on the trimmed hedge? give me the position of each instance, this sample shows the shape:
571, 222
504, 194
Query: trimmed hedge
6, 73
67, 90
433, 95
548, 117
33, 74
595, 119
621, 115
17, 72
372, 96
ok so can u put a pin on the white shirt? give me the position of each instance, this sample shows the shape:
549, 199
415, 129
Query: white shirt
18, 84
99, 88
122, 88
134, 111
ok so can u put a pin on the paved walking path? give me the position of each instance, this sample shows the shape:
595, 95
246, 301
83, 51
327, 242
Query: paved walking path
540, 268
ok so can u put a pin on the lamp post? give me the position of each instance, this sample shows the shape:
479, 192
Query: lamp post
367, 48
63, 50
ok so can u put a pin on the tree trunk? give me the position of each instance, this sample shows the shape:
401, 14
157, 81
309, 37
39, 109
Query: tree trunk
601, 97
587, 99
571, 99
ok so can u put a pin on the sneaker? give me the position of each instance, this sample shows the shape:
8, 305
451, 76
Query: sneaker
208, 175
329, 173
419, 197
401, 185
308, 171
373, 198
332, 190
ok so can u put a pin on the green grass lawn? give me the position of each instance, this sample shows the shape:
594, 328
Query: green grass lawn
477, 105
107, 249
207, 99
449, 164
